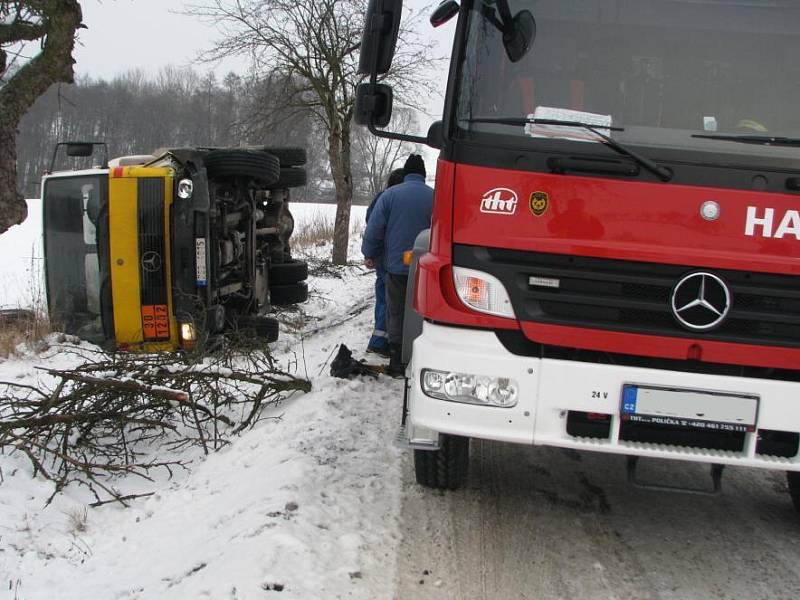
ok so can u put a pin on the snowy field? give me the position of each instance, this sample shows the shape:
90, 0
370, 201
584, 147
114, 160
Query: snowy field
306, 505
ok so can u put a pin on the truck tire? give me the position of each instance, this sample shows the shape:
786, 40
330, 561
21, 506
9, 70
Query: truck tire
283, 295
288, 273
793, 479
260, 327
261, 166
288, 157
291, 177
445, 468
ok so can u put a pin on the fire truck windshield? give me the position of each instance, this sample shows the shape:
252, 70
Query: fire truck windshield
679, 74
72, 209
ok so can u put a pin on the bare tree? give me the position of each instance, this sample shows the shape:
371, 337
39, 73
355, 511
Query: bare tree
314, 44
53, 23
376, 157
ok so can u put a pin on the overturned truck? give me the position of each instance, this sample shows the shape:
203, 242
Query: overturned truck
156, 252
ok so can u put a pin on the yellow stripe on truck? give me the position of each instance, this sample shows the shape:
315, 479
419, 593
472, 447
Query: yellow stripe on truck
123, 221
124, 238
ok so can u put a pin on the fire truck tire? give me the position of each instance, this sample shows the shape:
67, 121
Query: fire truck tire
261, 166
289, 157
288, 273
445, 468
261, 327
282, 295
291, 177
793, 479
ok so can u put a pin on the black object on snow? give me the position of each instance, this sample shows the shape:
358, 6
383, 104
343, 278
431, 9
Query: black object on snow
345, 366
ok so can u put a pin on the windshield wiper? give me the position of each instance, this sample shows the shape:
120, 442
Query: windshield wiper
765, 140
662, 173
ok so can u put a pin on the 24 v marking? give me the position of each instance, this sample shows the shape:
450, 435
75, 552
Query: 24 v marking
596, 394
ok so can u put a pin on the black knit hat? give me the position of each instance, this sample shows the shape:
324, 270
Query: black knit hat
415, 164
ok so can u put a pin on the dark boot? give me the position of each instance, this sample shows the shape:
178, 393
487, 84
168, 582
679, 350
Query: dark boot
396, 367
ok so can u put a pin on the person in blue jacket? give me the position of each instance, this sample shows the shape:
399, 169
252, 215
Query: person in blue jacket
379, 342
400, 213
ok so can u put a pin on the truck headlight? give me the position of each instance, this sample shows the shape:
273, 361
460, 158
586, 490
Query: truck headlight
188, 335
185, 189
482, 292
470, 388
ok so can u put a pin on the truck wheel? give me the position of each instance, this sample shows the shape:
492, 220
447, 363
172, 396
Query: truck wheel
282, 295
261, 166
291, 177
288, 273
445, 468
793, 479
289, 157
261, 327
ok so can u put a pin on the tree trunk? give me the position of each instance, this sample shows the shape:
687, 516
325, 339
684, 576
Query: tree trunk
341, 171
54, 63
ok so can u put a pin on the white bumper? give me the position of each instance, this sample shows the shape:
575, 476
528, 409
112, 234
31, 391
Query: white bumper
549, 388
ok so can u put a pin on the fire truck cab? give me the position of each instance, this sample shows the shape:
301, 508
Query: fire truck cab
613, 257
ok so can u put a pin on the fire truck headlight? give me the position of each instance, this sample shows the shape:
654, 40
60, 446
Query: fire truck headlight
482, 292
469, 388
185, 189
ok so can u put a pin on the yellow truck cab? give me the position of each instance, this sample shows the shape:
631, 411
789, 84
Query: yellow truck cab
154, 252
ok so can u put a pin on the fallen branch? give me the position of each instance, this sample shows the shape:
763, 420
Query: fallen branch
117, 415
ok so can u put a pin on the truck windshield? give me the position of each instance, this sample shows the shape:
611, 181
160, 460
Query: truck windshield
659, 70
72, 211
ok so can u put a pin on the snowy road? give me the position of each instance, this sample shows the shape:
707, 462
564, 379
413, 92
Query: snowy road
543, 523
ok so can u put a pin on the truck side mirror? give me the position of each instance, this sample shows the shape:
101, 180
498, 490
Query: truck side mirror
518, 39
373, 106
446, 10
79, 149
379, 39
435, 137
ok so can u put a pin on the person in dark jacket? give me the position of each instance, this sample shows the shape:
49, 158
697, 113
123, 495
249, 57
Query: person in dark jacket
400, 213
379, 342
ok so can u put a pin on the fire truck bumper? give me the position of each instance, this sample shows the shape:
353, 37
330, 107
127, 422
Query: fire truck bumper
599, 407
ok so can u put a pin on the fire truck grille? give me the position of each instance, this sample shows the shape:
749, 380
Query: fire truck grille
152, 256
635, 297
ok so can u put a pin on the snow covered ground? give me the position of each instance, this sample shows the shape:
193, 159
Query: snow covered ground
20, 269
305, 505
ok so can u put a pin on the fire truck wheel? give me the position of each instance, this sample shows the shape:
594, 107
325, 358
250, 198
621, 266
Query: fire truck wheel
445, 468
289, 157
793, 479
261, 327
260, 166
282, 295
291, 177
288, 273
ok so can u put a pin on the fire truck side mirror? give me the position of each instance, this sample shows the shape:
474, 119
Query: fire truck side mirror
378, 42
435, 138
519, 38
446, 10
373, 106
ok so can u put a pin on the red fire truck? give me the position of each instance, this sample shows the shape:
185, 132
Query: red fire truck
614, 259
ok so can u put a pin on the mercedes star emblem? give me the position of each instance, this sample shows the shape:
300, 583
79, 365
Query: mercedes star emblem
700, 301
151, 261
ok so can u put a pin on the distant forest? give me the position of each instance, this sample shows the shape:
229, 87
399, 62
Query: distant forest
136, 113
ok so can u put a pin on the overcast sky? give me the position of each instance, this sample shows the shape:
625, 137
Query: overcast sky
151, 34
141, 34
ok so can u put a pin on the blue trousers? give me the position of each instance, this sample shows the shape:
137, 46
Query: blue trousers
379, 339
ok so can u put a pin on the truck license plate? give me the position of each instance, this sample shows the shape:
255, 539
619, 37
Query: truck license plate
698, 409
200, 261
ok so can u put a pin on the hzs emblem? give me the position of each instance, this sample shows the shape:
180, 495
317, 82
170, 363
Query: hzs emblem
538, 203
